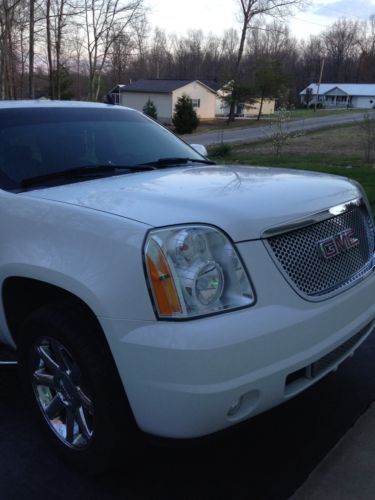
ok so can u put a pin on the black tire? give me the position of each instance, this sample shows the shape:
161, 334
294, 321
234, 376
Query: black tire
103, 433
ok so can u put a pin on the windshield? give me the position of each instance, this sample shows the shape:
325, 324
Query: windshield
42, 141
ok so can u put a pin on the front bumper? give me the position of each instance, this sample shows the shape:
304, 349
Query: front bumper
188, 379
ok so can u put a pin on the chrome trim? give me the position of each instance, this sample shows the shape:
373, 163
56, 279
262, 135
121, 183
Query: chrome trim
359, 276
313, 219
3, 363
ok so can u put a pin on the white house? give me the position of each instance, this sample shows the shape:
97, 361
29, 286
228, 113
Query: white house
242, 109
340, 95
206, 95
164, 94
245, 110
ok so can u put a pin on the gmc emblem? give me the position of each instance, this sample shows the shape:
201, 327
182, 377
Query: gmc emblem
337, 244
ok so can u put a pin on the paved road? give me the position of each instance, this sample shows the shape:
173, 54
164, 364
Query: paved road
347, 472
253, 134
266, 458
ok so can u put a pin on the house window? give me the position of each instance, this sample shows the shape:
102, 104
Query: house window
196, 103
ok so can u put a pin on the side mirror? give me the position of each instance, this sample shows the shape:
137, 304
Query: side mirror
199, 148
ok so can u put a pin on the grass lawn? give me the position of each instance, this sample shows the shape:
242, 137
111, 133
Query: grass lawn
221, 124
335, 151
218, 124
301, 114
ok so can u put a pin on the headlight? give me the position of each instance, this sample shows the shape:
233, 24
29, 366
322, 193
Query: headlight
193, 271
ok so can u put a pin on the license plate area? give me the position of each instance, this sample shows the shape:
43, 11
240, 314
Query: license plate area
299, 379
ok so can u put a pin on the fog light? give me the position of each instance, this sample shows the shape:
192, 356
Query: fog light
235, 407
244, 406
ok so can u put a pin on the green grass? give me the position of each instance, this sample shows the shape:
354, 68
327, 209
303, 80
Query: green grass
356, 170
220, 124
300, 114
337, 151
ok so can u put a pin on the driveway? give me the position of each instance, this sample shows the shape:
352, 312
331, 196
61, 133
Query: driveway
266, 458
252, 134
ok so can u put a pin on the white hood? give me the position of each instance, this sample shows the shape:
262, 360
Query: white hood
244, 201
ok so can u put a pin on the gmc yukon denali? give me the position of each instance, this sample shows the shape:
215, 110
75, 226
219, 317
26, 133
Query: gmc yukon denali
145, 287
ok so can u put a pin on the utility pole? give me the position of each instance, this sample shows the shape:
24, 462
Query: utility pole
320, 81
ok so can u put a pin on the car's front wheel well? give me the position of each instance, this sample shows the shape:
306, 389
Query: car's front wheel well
22, 296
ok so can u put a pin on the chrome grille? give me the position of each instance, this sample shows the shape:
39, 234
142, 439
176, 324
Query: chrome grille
299, 256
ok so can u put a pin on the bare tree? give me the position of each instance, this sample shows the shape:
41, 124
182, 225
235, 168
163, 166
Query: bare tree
8, 56
213, 52
189, 54
366, 43
59, 15
159, 55
34, 17
312, 53
105, 22
230, 48
250, 10
120, 57
278, 131
74, 64
139, 28
23, 50
341, 43
60, 47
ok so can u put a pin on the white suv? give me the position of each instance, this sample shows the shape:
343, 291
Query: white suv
143, 284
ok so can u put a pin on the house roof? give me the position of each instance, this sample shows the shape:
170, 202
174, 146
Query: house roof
353, 89
213, 84
161, 86
116, 88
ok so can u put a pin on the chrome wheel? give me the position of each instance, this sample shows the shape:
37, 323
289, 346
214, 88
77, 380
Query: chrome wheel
60, 393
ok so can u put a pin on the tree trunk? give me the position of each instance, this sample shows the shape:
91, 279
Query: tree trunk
7, 58
49, 50
11, 62
2, 62
261, 106
232, 113
31, 91
22, 76
245, 26
58, 49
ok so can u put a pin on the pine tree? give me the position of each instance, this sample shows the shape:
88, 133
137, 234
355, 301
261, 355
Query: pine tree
150, 109
185, 119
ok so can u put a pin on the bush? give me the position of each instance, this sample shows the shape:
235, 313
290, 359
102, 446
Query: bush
220, 150
278, 131
185, 119
150, 109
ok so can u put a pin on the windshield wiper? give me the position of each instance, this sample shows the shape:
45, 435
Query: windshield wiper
168, 162
109, 169
85, 171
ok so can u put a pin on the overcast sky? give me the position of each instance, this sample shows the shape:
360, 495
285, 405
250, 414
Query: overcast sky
218, 15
